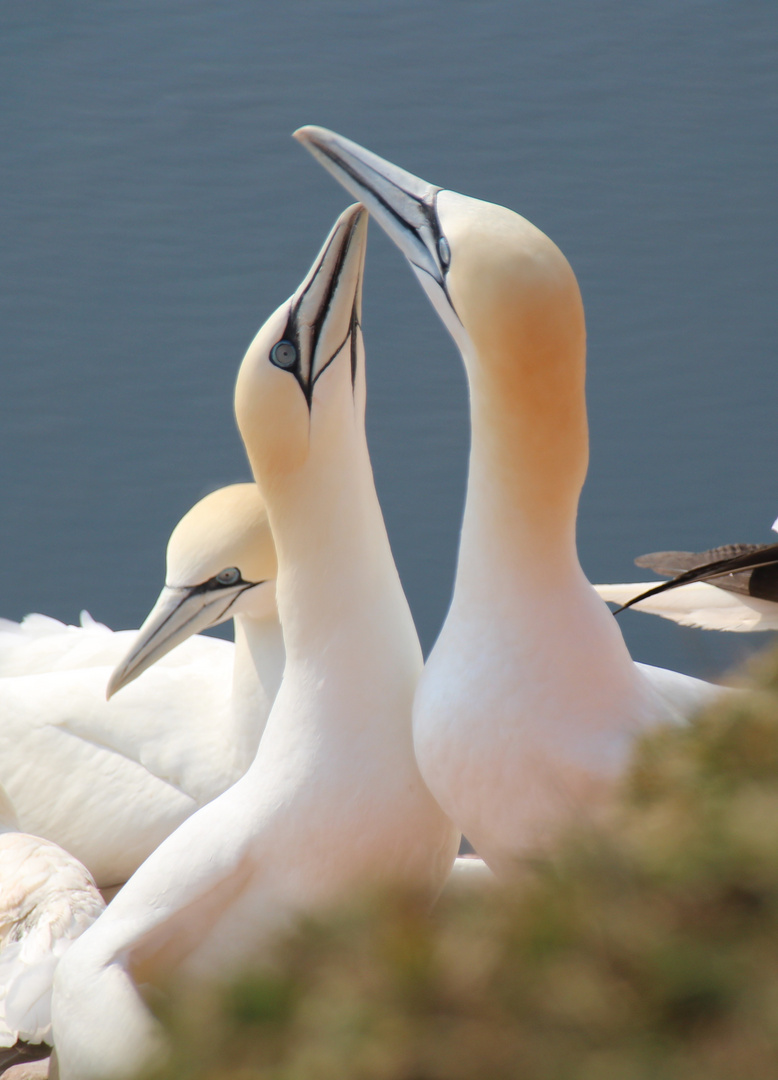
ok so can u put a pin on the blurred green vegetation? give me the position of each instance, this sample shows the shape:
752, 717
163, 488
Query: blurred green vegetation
646, 949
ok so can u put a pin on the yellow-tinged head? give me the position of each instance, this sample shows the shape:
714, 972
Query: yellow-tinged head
228, 528
221, 562
308, 353
513, 292
510, 300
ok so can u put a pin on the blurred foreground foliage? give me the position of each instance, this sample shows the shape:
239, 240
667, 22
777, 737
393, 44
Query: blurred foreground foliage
644, 950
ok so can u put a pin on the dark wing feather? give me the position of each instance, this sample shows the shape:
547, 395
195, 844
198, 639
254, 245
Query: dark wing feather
751, 571
671, 563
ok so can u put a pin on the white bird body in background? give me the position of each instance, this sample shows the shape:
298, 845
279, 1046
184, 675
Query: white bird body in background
698, 604
47, 899
530, 701
734, 588
39, 644
334, 801
109, 780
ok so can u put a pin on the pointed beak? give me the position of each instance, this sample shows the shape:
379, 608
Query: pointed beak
177, 614
401, 203
327, 308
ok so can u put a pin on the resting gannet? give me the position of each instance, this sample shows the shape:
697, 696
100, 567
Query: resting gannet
333, 801
109, 780
530, 700
47, 898
734, 588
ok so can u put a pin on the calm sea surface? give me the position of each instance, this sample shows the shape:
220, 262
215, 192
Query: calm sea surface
155, 211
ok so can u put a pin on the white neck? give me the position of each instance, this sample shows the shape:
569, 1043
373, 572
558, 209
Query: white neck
518, 575
518, 529
520, 588
348, 631
256, 676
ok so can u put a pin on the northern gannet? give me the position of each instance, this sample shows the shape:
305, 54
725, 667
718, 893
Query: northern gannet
334, 800
530, 700
108, 781
733, 588
47, 899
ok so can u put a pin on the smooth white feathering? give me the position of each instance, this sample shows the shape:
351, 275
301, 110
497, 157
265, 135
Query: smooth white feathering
699, 604
333, 801
47, 899
109, 780
529, 702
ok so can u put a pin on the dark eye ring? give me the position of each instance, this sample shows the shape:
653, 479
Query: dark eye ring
231, 576
284, 354
444, 251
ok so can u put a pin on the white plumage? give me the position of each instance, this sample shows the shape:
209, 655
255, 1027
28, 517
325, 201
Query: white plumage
698, 604
334, 800
109, 780
734, 587
529, 702
47, 899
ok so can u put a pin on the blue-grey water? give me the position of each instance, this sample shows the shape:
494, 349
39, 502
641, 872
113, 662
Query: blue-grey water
154, 210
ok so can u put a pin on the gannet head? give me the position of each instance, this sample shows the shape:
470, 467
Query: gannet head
510, 300
302, 378
503, 289
221, 562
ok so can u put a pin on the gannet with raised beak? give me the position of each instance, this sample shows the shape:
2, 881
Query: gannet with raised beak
47, 898
529, 700
333, 801
108, 781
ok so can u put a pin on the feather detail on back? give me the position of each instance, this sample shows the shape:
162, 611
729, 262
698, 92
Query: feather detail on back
47, 900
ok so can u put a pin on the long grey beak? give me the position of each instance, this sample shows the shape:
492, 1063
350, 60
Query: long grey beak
177, 614
401, 203
326, 308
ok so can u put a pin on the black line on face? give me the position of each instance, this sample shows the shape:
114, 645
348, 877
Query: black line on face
428, 209
355, 328
349, 335
212, 585
291, 331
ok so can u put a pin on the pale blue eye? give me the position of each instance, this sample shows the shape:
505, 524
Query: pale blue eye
284, 354
229, 577
444, 251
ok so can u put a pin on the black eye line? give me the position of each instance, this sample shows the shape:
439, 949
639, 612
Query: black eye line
291, 333
213, 584
198, 590
355, 325
428, 209
438, 234
442, 285
350, 333
247, 585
